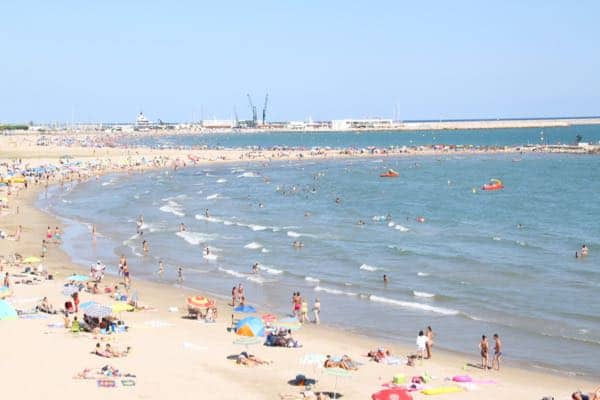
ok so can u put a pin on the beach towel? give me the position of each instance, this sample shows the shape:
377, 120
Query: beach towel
127, 382
106, 383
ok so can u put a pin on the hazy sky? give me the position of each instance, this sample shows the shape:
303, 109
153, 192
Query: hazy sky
107, 60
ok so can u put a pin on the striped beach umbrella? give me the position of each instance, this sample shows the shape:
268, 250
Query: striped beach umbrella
288, 323
392, 394
251, 327
7, 311
200, 302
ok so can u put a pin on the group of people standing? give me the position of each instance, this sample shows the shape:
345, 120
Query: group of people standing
484, 348
300, 309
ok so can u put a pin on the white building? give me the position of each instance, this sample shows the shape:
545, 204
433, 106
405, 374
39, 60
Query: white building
369, 123
218, 123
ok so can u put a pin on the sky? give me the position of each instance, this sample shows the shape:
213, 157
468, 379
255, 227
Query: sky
90, 61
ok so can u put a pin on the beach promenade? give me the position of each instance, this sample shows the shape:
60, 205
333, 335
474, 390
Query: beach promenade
175, 357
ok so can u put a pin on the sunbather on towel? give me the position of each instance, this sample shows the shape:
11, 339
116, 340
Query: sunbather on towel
306, 394
595, 395
249, 359
378, 355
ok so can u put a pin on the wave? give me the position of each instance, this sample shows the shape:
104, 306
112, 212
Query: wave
298, 234
415, 306
270, 269
232, 272
253, 246
213, 196
311, 279
210, 257
367, 267
248, 175
423, 273
173, 208
257, 227
333, 291
181, 196
264, 250
196, 238
401, 228
221, 180
201, 217
256, 279
423, 294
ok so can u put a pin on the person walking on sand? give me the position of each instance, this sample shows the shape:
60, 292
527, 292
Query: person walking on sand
179, 276
497, 352
429, 333
6, 280
484, 348
161, 269
234, 296
317, 311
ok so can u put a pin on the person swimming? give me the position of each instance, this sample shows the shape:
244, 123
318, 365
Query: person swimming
255, 268
584, 250
182, 227
385, 279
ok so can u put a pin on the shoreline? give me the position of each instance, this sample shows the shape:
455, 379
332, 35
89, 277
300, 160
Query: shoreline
515, 382
402, 342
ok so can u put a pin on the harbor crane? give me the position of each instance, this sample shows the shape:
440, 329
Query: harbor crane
264, 111
253, 109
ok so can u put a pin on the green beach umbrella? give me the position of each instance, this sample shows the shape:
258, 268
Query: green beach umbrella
7, 312
337, 372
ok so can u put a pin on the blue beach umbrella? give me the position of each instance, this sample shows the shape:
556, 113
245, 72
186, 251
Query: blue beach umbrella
87, 304
7, 311
251, 327
245, 309
78, 278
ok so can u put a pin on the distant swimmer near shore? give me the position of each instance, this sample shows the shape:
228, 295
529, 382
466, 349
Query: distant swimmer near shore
584, 250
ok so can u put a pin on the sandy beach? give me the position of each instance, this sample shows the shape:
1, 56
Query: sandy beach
175, 357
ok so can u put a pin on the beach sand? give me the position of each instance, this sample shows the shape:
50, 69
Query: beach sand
173, 357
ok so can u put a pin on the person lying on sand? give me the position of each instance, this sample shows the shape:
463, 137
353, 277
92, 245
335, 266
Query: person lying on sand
306, 394
378, 355
250, 360
344, 363
595, 395
110, 352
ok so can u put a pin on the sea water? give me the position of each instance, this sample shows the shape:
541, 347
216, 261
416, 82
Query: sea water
479, 263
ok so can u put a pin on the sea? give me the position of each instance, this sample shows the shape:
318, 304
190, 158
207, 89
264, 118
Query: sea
464, 261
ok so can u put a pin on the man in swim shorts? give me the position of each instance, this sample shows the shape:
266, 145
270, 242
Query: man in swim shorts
497, 352
484, 348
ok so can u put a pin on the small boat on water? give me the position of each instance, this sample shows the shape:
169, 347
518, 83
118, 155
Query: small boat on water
495, 184
390, 173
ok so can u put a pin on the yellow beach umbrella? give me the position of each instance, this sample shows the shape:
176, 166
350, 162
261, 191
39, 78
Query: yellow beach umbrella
32, 260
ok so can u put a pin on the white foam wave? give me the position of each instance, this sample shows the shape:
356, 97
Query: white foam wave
423, 273
270, 270
367, 267
196, 238
293, 234
173, 208
208, 219
391, 224
401, 228
253, 246
311, 279
264, 250
256, 279
257, 227
378, 218
232, 272
221, 180
423, 294
210, 257
496, 238
415, 306
248, 175
333, 291
213, 196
